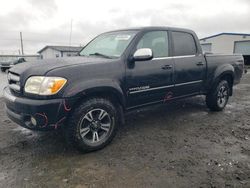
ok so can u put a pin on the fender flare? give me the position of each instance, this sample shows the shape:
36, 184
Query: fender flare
226, 69
86, 88
221, 71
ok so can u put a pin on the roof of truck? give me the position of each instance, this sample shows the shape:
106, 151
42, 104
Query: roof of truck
146, 28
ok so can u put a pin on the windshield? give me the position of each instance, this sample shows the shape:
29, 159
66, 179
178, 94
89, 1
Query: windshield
109, 45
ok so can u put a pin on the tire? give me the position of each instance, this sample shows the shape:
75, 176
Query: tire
217, 98
87, 129
3, 69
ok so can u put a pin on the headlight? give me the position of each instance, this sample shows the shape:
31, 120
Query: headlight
42, 85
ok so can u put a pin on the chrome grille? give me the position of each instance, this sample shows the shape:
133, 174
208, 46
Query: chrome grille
14, 81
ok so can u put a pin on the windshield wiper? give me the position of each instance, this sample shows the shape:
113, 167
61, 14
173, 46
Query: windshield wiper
100, 54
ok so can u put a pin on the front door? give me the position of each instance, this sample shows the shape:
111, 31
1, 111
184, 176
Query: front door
151, 81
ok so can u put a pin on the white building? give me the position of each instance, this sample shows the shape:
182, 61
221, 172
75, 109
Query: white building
228, 43
58, 51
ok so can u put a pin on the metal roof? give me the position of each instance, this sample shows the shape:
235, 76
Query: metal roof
62, 48
212, 36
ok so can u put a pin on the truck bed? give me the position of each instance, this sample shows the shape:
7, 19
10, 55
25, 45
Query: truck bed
218, 60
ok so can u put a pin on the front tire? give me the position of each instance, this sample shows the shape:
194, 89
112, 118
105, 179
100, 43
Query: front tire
92, 125
217, 98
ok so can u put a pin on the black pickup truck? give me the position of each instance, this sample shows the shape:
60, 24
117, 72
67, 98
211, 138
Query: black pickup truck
117, 71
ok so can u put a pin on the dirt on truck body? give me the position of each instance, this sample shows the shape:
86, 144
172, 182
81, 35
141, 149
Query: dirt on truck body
181, 144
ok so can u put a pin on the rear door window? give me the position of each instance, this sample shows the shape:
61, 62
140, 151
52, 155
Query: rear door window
184, 44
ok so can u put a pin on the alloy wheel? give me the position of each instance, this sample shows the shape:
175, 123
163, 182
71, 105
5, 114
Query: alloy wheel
222, 96
95, 126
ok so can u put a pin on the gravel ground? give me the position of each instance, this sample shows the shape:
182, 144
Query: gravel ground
181, 144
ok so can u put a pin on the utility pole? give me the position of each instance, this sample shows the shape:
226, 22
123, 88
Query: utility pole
70, 32
21, 38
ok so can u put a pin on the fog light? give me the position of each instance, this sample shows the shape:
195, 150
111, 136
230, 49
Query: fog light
33, 121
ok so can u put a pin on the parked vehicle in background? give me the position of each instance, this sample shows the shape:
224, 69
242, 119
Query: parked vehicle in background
117, 71
6, 65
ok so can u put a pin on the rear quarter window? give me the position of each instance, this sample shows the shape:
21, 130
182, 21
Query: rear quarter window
184, 44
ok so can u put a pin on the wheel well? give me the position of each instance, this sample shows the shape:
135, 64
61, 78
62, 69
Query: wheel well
108, 94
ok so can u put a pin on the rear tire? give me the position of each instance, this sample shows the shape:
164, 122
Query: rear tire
217, 98
92, 125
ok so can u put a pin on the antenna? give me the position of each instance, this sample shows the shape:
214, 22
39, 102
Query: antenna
70, 32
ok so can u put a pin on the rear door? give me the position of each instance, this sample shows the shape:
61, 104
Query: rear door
150, 81
190, 65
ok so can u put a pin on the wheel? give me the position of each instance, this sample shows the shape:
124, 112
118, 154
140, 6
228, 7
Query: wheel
3, 69
217, 98
92, 125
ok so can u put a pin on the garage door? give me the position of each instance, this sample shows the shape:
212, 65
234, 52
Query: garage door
242, 47
206, 47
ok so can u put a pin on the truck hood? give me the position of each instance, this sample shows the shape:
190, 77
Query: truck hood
41, 67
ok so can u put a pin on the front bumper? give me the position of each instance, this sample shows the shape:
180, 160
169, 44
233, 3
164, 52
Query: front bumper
36, 114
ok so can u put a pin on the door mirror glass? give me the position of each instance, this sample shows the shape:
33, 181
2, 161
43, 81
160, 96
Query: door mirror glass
143, 54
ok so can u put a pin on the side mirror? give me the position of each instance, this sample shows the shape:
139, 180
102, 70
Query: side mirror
143, 54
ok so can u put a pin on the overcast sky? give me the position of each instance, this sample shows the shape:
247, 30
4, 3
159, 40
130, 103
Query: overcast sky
47, 22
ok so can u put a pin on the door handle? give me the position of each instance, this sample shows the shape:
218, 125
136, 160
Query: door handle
165, 67
199, 63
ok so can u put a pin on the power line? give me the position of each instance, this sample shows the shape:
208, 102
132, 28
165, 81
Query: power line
39, 41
